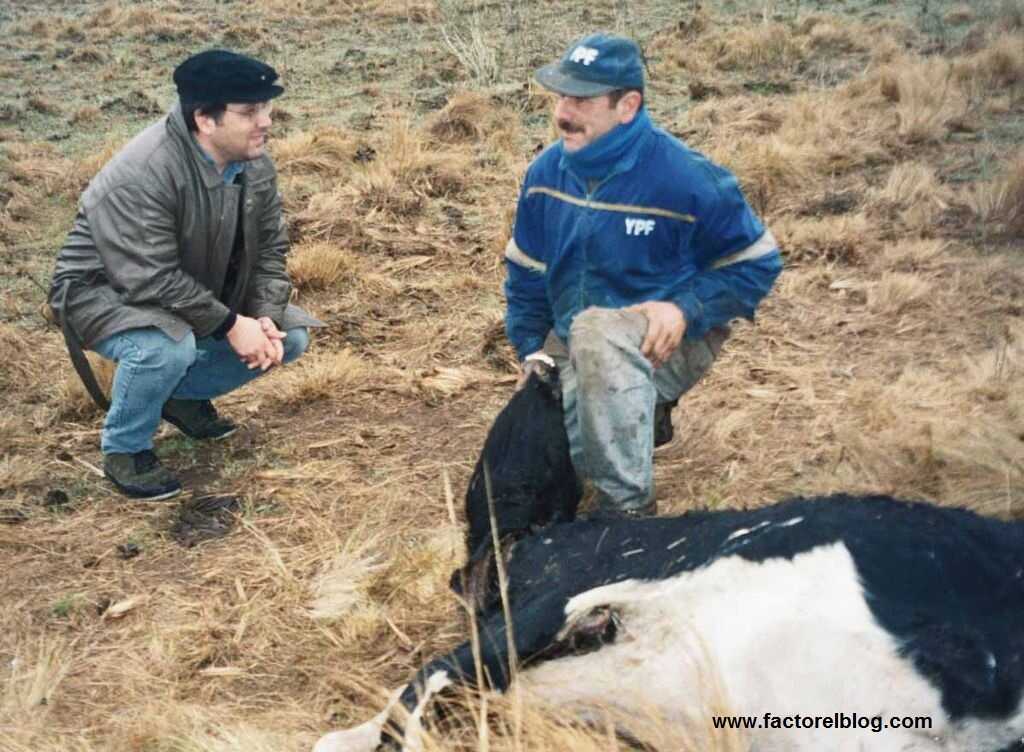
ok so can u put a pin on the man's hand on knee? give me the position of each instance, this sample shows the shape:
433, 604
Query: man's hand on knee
666, 326
252, 345
276, 337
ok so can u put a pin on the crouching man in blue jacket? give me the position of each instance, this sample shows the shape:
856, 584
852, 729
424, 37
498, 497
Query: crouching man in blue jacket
630, 255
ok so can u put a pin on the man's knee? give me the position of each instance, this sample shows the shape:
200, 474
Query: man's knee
296, 343
598, 334
152, 349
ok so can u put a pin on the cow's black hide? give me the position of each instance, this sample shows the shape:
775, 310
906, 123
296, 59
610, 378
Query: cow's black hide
526, 468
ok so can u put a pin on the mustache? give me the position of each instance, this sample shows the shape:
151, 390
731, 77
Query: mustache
567, 126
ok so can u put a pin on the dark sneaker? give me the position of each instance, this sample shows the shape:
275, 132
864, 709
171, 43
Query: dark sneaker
141, 476
198, 419
663, 422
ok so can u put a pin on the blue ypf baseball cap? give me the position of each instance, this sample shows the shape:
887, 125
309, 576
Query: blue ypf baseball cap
595, 65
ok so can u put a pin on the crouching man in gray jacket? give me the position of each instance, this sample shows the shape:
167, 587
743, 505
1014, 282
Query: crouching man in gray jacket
175, 267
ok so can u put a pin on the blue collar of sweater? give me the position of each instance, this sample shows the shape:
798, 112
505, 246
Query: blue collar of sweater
231, 169
615, 151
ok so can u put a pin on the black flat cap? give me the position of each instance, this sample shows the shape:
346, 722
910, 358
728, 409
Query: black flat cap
223, 76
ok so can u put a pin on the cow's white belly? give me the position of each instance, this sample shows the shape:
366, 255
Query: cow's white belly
786, 637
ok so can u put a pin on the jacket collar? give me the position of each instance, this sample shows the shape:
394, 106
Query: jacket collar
615, 152
179, 131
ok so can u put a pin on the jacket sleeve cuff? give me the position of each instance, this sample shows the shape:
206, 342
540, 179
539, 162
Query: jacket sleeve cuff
225, 326
529, 346
693, 312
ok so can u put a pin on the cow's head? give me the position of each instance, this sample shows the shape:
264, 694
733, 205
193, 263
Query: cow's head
524, 474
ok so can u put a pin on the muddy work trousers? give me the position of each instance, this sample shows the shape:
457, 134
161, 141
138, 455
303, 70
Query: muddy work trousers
609, 394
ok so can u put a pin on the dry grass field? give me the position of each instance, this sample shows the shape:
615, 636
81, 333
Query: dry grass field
882, 141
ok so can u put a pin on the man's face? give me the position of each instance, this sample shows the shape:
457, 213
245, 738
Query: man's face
241, 134
583, 120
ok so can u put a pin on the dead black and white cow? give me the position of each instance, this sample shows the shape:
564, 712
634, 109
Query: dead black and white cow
825, 608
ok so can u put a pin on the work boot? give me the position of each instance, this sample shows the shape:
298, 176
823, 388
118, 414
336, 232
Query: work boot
141, 476
197, 419
663, 422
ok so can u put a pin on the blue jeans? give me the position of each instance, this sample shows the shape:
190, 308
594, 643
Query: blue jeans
609, 394
152, 368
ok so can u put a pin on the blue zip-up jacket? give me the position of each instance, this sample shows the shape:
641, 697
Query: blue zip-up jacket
665, 224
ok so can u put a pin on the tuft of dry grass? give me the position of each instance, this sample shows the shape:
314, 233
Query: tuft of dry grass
1003, 60
408, 172
848, 239
885, 48
326, 150
74, 400
87, 55
1001, 200
40, 28
342, 591
834, 35
909, 183
44, 172
320, 265
321, 377
896, 292
914, 194
471, 44
34, 675
146, 21
467, 117
821, 132
767, 167
394, 188
931, 431
17, 471
959, 15
914, 256
412, 11
1009, 15
760, 47
43, 105
86, 115
925, 97
444, 381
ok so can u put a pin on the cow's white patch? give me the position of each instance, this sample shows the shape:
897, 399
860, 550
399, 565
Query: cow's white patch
785, 636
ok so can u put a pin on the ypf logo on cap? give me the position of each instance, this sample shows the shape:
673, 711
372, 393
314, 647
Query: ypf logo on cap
583, 54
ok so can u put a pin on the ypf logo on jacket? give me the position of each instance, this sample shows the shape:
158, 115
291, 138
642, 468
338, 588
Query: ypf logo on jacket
636, 226
582, 54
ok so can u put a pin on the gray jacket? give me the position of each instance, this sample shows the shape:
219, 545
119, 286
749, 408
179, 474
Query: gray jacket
151, 242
